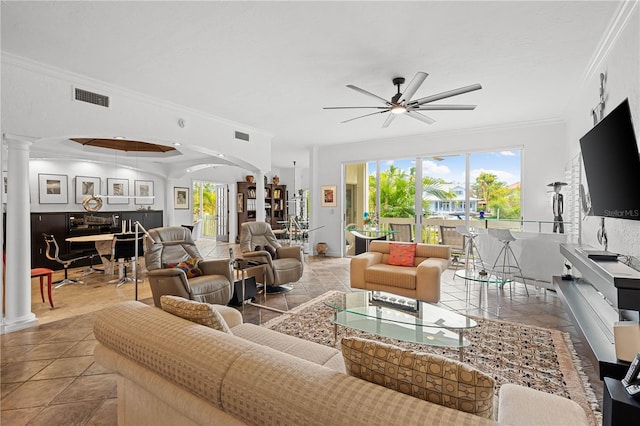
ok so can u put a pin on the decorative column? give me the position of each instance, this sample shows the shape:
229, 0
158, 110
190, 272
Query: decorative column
18, 239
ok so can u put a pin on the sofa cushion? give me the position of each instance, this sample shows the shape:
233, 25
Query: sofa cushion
198, 312
189, 266
402, 254
390, 275
426, 376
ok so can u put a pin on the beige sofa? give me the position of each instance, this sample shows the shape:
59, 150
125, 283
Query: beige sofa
175, 372
369, 271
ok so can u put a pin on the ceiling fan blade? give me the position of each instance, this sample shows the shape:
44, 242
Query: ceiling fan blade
443, 107
446, 94
355, 107
364, 92
388, 120
413, 87
421, 117
362, 116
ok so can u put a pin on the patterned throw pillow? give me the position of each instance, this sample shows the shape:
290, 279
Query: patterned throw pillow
401, 254
198, 312
189, 266
433, 378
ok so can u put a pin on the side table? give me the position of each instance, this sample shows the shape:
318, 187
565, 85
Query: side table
618, 407
242, 266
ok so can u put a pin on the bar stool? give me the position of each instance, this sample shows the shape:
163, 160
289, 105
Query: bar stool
470, 248
509, 263
41, 273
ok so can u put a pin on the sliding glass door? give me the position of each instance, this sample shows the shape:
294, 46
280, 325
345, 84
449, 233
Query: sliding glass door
408, 199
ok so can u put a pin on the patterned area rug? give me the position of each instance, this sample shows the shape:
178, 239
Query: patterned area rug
540, 358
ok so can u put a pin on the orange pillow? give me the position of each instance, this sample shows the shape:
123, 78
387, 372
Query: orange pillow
402, 254
189, 266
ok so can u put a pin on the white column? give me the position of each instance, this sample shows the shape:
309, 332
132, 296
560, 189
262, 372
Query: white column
169, 211
18, 286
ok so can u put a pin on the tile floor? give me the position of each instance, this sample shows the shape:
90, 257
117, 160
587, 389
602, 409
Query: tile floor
48, 375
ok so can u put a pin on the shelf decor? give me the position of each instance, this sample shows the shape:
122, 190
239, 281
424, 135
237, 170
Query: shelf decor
180, 198
329, 196
87, 186
52, 189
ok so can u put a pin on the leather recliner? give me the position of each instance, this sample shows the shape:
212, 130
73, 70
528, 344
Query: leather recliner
173, 245
288, 264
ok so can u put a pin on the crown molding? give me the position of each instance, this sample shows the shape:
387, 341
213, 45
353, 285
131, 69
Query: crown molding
610, 37
75, 79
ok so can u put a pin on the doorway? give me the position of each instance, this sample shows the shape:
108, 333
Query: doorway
210, 203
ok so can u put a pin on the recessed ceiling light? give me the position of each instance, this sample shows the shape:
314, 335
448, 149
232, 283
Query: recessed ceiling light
177, 143
188, 170
221, 155
119, 137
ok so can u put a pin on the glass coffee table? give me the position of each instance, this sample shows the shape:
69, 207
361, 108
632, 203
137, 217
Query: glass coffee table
437, 327
484, 279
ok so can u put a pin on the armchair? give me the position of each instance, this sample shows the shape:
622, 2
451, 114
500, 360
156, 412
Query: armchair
174, 244
286, 267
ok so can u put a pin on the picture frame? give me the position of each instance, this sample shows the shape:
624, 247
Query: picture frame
117, 191
53, 189
87, 186
180, 198
4, 187
329, 194
143, 191
240, 202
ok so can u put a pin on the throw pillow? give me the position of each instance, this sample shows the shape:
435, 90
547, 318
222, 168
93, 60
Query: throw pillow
401, 254
433, 378
189, 266
198, 312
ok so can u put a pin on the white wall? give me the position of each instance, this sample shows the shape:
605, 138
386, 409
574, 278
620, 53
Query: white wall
543, 161
74, 168
620, 61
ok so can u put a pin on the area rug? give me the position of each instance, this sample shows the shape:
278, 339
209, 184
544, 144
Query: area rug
536, 357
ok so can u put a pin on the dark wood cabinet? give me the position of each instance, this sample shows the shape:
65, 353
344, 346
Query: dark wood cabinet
47, 223
73, 224
275, 204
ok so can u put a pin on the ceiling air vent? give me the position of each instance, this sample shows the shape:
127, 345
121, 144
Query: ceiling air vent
92, 98
242, 136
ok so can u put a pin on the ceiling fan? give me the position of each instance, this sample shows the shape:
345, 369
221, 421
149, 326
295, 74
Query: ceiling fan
401, 103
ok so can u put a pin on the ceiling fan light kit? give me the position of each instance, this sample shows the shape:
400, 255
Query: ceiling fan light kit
401, 103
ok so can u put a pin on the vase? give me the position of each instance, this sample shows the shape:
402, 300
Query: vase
321, 249
249, 178
276, 180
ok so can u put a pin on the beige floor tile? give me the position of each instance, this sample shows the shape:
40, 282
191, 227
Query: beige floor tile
106, 414
20, 417
65, 367
75, 413
86, 388
23, 371
35, 393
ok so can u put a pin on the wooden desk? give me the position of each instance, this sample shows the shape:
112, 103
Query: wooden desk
103, 244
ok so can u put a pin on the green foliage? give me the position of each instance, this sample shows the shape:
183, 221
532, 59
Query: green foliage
496, 196
209, 199
397, 192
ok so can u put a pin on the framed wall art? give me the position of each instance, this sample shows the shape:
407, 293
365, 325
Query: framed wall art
143, 192
52, 189
240, 202
87, 186
117, 191
180, 198
329, 196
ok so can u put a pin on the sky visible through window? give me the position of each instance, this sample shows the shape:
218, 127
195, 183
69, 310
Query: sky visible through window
504, 164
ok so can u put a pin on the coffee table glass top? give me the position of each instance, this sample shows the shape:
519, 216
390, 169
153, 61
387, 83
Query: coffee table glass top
354, 310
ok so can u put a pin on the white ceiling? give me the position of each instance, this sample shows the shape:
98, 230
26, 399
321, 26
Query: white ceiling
274, 65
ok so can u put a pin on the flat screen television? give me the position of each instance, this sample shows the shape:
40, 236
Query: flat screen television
612, 165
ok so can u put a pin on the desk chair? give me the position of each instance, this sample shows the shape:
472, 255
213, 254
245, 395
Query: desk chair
53, 253
506, 263
123, 249
403, 232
